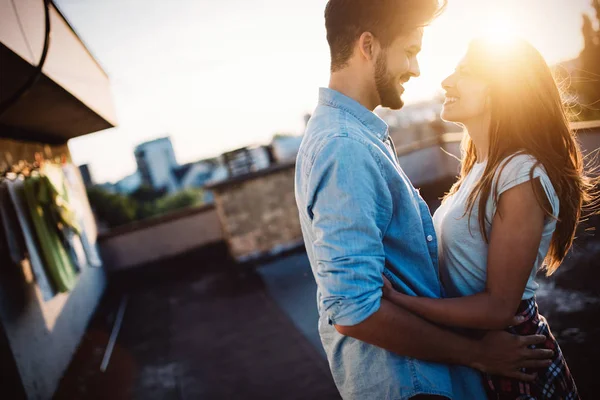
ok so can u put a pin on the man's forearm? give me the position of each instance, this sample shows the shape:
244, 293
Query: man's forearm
401, 332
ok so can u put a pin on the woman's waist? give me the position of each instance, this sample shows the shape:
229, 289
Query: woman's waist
533, 322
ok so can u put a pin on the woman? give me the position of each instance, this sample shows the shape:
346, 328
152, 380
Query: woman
514, 209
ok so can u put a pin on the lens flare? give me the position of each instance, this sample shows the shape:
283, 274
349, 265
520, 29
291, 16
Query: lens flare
500, 31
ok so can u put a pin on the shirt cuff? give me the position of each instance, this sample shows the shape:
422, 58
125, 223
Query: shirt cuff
354, 314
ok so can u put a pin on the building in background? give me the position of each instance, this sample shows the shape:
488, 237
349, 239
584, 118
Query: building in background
156, 161
198, 174
158, 167
129, 184
285, 147
416, 123
219, 173
247, 160
195, 174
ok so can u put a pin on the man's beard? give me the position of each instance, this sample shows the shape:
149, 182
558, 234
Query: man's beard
386, 85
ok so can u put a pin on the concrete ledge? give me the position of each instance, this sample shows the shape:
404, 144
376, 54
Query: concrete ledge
150, 222
584, 125
160, 238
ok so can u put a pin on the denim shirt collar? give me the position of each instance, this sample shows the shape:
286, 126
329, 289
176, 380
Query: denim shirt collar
333, 98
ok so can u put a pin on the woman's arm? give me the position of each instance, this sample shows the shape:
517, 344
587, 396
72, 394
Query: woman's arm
514, 241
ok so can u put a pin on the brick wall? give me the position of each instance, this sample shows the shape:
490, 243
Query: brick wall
258, 213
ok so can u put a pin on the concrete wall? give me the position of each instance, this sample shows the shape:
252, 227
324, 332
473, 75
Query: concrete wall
259, 213
43, 336
426, 162
160, 238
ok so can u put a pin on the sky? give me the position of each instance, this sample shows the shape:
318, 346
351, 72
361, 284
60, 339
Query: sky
217, 75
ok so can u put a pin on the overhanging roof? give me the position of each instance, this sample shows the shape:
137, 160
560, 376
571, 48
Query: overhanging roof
72, 98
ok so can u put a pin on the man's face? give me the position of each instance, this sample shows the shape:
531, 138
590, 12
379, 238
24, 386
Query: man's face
395, 65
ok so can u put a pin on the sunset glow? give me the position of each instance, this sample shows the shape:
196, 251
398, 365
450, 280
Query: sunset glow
170, 64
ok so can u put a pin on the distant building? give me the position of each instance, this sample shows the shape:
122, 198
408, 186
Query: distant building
129, 184
194, 174
416, 122
220, 173
86, 175
201, 173
158, 168
247, 159
285, 147
156, 162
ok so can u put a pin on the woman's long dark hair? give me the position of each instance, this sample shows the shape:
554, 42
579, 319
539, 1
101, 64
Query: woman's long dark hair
527, 116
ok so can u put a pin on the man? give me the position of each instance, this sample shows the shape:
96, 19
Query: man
362, 218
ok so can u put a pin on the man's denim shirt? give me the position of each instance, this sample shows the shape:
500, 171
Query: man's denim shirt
362, 217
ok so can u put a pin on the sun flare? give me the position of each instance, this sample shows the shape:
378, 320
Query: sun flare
499, 31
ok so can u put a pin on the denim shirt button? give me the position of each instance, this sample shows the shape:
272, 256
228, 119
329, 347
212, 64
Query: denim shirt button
429, 238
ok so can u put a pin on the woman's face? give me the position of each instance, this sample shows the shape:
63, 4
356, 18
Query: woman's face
467, 96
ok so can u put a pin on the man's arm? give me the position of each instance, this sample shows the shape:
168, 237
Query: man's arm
350, 206
401, 332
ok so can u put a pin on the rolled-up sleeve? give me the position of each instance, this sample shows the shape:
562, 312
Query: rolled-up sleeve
350, 207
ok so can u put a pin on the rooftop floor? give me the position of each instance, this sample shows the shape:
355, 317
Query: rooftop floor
210, 335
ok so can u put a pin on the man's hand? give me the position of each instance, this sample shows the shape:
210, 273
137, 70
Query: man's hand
501, 353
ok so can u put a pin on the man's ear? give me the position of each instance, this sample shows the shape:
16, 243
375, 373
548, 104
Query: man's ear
368, 46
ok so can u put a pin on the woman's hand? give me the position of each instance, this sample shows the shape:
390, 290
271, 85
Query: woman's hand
392, 294
387, 289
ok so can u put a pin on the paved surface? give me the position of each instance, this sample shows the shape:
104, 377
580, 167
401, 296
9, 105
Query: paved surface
215, 335
213, 331
289, 281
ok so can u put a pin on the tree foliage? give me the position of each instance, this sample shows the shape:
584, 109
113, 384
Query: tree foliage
117, 209
588, 81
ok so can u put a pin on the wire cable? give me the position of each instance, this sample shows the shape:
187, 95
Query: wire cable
33, 79
22, 29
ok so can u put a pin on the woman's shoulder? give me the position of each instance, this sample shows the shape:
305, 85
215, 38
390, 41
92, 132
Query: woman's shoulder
522, 167
519, 159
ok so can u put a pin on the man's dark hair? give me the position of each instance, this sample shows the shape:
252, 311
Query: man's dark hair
346, 20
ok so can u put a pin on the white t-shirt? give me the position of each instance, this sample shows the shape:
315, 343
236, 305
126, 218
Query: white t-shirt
462, 251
